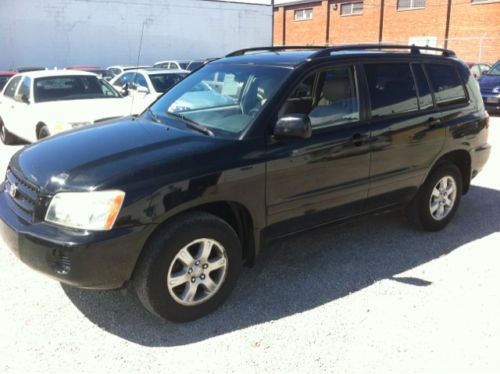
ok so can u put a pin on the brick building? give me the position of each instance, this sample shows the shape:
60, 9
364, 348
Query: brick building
470, 27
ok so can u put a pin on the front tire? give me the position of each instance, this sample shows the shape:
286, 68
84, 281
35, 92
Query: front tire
43, 132
189, 267
6, 137
438, 199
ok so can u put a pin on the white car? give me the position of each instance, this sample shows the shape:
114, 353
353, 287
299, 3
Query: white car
188, 65
118, 69
144, 86
38, 104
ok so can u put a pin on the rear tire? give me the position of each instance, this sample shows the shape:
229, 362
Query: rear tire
6, 137
438, 199
176, 280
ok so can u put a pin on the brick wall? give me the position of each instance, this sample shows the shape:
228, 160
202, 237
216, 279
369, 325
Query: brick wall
359, 28
468, 23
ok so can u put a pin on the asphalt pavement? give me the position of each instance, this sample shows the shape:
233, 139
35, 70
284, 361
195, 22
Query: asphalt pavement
371, 296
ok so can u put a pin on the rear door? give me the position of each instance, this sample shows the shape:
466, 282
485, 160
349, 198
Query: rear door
408, 131
323, 178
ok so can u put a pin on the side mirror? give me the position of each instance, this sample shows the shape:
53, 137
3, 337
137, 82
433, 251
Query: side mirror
124, 90
142, 89
22, 99
293, 126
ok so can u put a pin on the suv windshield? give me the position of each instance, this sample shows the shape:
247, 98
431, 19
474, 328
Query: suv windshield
72, 88
221, 97
495, 70
163, 82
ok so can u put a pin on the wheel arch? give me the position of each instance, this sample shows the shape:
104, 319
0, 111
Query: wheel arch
38, 126
462, 159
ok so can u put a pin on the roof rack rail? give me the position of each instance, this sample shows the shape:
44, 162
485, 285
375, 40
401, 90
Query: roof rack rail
325, 52
242, 52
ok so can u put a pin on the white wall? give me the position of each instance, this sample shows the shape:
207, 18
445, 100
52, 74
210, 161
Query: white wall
107, 32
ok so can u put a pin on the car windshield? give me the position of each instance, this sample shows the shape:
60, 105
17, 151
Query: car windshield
72, 88
223, 98
495, 70
3, 80
163, 82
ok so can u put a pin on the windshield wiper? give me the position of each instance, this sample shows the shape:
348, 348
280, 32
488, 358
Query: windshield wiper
192, 124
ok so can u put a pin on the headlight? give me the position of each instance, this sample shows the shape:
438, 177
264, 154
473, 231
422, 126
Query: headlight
64, 126
86, 210
496, 90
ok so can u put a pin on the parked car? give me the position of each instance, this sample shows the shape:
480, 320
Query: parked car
490, 88
172, 65
478, 70
174, 201
38, 104
189, 65
100, 72
144, 86
118, 69
4, 77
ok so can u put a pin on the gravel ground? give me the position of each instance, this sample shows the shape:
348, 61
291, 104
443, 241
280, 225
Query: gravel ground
372, 296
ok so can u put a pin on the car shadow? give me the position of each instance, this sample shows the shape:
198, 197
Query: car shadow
303, 272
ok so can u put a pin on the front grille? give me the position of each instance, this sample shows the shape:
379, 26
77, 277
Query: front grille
22, 197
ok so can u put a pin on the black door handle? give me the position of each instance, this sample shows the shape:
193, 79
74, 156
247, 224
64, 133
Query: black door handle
357, 139
432, 122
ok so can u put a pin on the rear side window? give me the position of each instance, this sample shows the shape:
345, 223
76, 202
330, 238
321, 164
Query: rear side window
446, 84
11, 88
392, 89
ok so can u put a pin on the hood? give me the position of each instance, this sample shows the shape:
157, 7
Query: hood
107, 155
489, 81
87, 110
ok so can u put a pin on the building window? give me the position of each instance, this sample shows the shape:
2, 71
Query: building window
350, 9
410, 4
303, 14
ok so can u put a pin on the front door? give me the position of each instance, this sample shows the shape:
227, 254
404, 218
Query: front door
323, 178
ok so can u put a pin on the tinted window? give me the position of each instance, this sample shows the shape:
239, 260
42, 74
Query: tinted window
139, 80
163, 82
184, 65
337, 101
69, 88
24, 89
3, 80
392, 89
446, 83
124, 79
424, 92
11, 88
194, 65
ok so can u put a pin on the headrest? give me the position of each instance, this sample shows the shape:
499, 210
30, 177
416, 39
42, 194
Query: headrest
337, 89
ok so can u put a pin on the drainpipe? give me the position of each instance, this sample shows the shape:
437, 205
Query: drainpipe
447, 28
327, 33
381, 25
272, 23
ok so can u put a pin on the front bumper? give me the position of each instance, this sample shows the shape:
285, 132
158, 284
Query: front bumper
491, 101
100, 260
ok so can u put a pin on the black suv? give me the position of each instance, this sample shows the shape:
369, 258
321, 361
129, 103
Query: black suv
257, 145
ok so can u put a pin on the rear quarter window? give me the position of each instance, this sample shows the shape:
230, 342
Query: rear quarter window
446, 84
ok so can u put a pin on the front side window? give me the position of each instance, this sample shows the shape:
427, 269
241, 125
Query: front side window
224, 98
139, 80
24, 89
392, 89
163, 82
10, 90
328, 98
446, 84
410, 4
350, 9
303, 14
124, 79
69, 88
